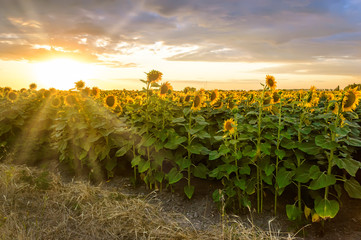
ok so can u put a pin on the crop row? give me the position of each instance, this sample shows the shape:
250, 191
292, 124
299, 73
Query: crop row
255, 142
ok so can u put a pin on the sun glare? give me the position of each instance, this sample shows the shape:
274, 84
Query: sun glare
62, 73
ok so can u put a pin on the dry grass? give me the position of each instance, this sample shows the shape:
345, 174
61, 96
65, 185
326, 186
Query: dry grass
37, 205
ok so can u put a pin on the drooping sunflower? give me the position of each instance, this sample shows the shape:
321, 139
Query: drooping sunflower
333, 106
85, 92
197, 102
267, 99
276, 98
164, 89
33, 86
110, 101
311, 99
214, 96
79, 84
12, 96
351, 99
95, 92
229, 126
154, 76
271, 82
187, 98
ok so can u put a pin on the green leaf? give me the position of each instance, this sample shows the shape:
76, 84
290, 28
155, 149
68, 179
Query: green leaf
195, 148
350, 165
269, 169
353, 188
284, 177
189, 190
200, 171
325, 143
293, 213
266, 148
143, 165
184, 163
217, 195
178, 120
244, 170
353, 142
136, 160
174, 142
280, 153
314, 172
110, 164
241, 184
302, 173
322, 181
121, 152
327, 208
159, 176
213, 155
174, 176
308, 148
149, 142
203, 135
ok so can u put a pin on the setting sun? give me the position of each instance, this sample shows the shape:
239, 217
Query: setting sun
62, 73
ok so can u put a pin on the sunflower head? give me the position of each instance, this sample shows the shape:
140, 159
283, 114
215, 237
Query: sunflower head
33, 86
118, 109
267, 99
276, 98
70, 100
85, 92
95, 92
12, 96
214, 96
111, 101
79, 85
218, 104
154, 76
351, 99
333, 106
229, 126
7, 89
187, 98
197, 102
164, 89
47, 93
55, 102
23, 90
271, 82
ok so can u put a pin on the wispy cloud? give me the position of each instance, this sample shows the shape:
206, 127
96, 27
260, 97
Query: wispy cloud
299, 32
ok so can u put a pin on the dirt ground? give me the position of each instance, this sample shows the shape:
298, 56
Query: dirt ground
203, 212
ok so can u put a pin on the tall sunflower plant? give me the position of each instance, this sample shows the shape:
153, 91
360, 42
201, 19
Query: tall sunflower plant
193, 125
337, 142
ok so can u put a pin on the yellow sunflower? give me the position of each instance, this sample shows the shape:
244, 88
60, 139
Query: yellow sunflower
218, 104
79, 84
276, 98
95, 92
267, 99
154, 76
271, 82
12, 96
197, 102
55, 102
333, 106
33, 86
230, 126
351, 99
214, 96
70, 100
110, 101
164, 89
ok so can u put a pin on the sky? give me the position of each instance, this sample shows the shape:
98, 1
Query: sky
211, 44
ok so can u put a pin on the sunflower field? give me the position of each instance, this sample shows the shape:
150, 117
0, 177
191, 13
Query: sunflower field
305, 143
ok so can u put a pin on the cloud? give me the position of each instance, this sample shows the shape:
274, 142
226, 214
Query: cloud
221, 31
